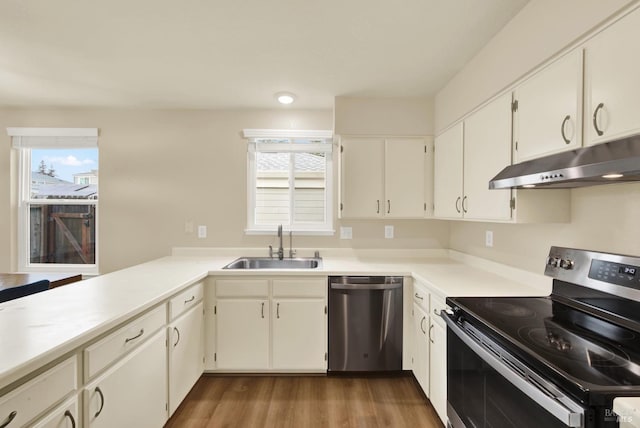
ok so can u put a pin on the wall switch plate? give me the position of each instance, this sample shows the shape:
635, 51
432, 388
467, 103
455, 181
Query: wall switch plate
346, 232
388, 232
488, 238
202, 231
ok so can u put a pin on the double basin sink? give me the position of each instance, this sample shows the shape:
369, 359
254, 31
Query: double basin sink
274, 263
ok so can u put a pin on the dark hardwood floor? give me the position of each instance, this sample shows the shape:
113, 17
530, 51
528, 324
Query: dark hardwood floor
305, 401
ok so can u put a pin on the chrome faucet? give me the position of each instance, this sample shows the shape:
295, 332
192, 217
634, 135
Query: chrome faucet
280, 248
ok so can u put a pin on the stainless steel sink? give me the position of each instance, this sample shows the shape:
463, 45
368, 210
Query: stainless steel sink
269, 263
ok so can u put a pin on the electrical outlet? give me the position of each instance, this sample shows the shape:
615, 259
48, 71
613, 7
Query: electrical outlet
202, 231
346, 232
388, 232
488, 238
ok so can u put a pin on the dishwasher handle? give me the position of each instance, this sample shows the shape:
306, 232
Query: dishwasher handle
350, 286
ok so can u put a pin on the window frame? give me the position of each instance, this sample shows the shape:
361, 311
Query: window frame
24, 202
253, 147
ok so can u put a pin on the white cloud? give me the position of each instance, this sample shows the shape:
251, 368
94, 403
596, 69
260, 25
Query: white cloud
68, 161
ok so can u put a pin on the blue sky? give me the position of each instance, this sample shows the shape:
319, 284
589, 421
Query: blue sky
65, 162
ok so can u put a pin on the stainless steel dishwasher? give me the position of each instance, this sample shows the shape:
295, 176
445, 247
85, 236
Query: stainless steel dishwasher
365, 323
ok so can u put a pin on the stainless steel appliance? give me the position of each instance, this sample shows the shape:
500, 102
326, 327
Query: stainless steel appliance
365, 323
556, 361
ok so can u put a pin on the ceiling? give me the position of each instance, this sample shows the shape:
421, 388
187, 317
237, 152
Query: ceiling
235, 53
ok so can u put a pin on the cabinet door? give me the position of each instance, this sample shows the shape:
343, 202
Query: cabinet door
186, 354
438, 369
242, 334
421, 354
612, 67
404, 178
447, 173
133, 393
299, 334
487, 150
361, 178
63, 416
548, 117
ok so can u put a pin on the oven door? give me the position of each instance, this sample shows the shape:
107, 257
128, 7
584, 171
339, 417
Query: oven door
485, 389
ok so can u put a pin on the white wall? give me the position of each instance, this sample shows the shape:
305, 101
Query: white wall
603, 218
159, 169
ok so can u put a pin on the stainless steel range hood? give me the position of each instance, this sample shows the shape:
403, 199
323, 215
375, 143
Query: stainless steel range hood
613, 162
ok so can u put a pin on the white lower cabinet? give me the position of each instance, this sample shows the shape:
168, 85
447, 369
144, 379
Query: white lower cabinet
242, 336
186, 354
133, 392
64, 416
298, 334
438, 369
421, 346
275, 324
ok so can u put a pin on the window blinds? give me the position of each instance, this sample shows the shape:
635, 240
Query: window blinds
52, 138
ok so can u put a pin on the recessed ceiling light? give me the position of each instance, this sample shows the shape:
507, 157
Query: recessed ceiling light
612, 175
285, 97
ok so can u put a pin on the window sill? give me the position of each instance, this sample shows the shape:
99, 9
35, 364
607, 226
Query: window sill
300, 232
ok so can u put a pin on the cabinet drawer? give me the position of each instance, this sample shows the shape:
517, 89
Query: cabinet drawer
39, 394
101, 354
437, 305
300, 287
421, 297
185, 300
242, 288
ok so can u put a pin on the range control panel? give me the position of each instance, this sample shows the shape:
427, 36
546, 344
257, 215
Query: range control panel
615, 273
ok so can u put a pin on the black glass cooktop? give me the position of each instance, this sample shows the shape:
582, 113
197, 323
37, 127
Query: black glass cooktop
585, 351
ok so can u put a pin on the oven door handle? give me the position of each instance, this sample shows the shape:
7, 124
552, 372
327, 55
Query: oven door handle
568, 416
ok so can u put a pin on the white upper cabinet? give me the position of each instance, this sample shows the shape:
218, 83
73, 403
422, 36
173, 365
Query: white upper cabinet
612, 87
468, 156
548, 110
487, 150
447, 173
384, 178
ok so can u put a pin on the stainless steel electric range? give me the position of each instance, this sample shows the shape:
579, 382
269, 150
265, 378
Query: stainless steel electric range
556, 361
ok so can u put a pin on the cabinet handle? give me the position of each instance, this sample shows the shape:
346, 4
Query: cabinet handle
458, 204
378, 209
464, 206
129, 339
10, 418
388, 206
435, 312
178, 333
595, 118
262, 310
278, 310
419, 297
422, 323
99, 391
68, 414
564, 122
430, 328
190, 300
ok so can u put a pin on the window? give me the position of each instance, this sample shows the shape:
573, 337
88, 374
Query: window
290, 181
58, 198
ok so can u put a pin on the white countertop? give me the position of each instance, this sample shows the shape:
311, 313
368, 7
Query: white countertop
41, 328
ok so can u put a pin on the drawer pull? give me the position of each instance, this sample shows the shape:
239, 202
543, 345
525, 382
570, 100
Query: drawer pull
190, 300
129, 339
68, 414
99, 391
178, 333
430, 328
422, 323
262, 310
419, 297
278, 310
10, 418
435, 312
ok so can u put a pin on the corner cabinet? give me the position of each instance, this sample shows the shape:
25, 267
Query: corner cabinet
267, 325
612, 88
467, 156
385, 177
548, 110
